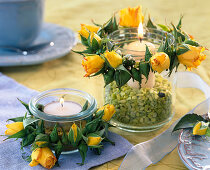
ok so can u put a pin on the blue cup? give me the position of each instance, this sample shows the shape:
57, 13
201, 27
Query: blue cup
20, 22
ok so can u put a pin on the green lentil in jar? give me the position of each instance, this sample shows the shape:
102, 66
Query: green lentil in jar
140, 107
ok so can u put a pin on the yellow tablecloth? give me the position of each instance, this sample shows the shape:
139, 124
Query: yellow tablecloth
67, 71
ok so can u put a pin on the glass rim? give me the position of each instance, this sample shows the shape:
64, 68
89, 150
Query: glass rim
54, 118
136, 38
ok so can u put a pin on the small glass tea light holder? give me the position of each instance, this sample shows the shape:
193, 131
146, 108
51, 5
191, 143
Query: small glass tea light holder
151, 106
64, 107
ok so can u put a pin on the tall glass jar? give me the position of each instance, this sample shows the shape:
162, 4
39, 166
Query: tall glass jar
151, 105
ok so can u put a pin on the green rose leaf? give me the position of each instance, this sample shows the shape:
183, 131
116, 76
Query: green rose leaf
150, 24
148, 54
54, 134
95, 45
109, 76
42, 137
85, 106
91, 126
64, 138
208, 132
173, 64
122, 68
111, 25
58, 149
188, 121
164, 27
136, 75
121, 77
84, 40
29, 120
20, 134
17, 119
145, 69
99, 113
40, 128
182, 49
161, 47
83, 148
179, 25
28, 140
179, 37
191, 42
26, 106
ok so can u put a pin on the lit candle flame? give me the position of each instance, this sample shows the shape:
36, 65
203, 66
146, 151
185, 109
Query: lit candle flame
140, 31
62, 101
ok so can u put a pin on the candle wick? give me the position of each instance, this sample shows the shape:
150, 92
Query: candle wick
140, 39
62, 104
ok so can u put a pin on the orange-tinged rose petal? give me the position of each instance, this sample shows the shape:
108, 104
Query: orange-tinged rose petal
47, 158
193, 57
33, 163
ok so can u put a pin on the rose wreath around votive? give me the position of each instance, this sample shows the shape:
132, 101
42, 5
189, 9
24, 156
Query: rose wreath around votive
103, 57
33, 132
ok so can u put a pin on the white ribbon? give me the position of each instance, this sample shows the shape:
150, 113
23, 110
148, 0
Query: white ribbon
150, 152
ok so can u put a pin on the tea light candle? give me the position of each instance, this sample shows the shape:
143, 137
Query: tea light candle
138, 49
62, 108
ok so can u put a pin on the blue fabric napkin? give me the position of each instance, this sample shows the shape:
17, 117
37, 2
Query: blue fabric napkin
10, 153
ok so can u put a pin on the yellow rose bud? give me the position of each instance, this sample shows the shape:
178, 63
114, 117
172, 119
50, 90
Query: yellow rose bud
87, 29
39, 143
193, 57
113, 58
109, 111
93, 141
43, 156
160, 61
131, 17
14, 128
95, 36
74, 128
92, 64
200, 128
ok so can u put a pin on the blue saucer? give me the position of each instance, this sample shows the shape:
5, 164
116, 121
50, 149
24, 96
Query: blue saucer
194, 151
53, 42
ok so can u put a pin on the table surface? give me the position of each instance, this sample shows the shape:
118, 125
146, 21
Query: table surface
68, 72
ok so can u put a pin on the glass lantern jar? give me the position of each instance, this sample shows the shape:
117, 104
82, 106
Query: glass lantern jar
151, 105
77, 97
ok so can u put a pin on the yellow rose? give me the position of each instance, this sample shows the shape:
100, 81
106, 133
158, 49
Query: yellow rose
92, 64
109, 111
193, 57
131, 17
95, 36
200, 128
93, 141
43, 156
87, 29
113, 58
14, 128
160, 61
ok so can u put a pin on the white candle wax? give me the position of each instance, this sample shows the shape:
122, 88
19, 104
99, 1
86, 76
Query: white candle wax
69, 108
138, 50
